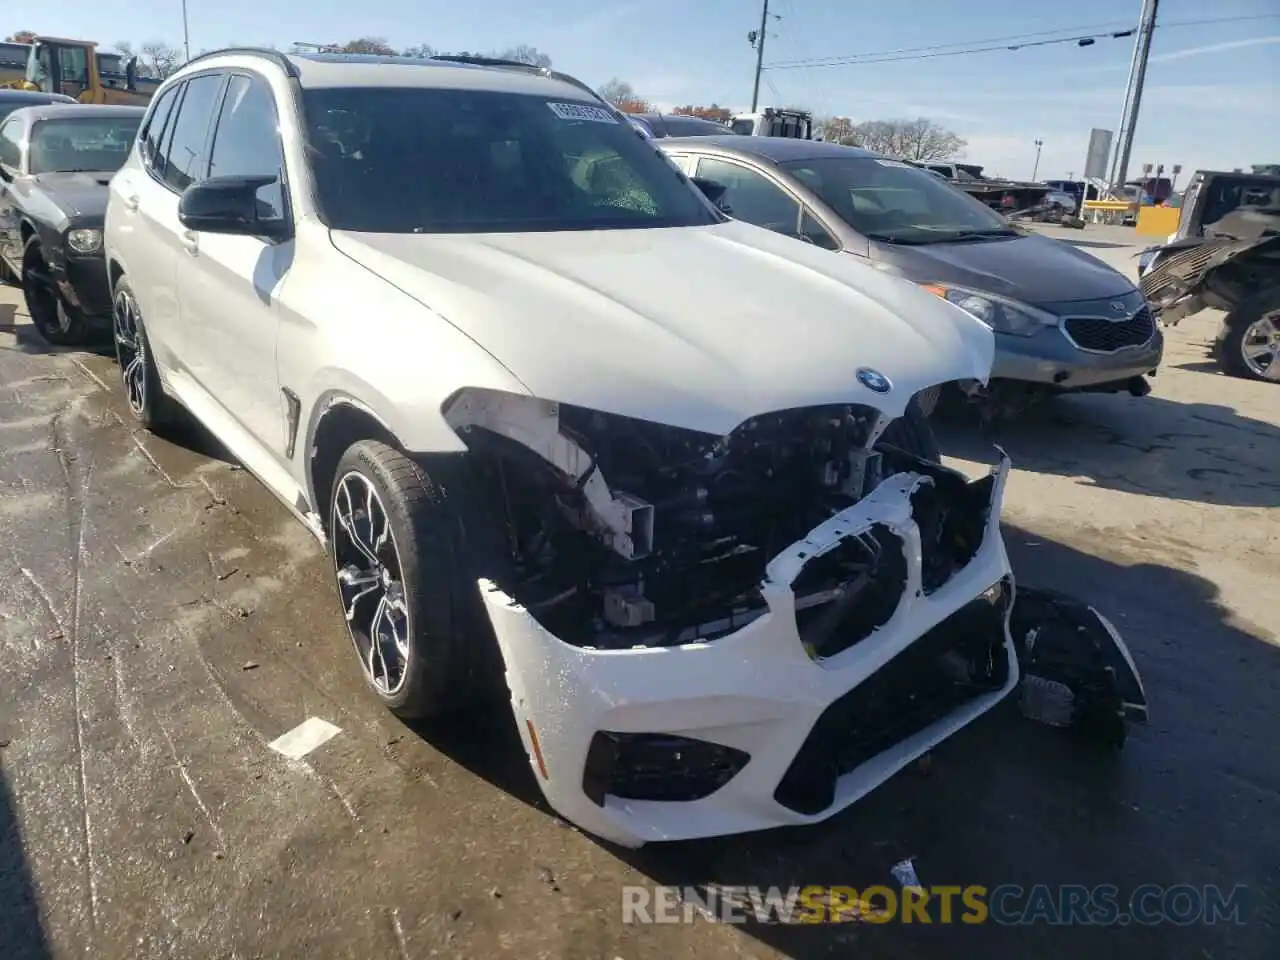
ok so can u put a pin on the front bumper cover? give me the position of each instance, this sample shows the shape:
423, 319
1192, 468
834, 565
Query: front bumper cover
777, 713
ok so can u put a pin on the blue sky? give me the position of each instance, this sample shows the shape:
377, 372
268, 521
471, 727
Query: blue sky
1210, 101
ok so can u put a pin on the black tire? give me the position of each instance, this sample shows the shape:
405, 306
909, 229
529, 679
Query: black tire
1230, 344
57, 322
913, 433
451, 658
144, 393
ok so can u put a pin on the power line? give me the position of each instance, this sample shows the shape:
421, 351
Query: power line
998, 44
1114, 24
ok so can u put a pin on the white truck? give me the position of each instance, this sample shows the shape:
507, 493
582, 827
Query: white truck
771, 122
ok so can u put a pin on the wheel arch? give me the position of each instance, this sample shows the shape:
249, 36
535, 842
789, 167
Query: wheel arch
340, 417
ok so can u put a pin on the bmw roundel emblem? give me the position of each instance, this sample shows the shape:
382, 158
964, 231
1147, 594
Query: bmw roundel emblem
874, 380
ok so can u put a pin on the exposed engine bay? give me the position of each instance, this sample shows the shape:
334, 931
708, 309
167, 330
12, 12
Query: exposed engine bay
622, 533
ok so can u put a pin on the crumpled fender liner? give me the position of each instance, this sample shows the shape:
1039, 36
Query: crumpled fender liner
1077, 672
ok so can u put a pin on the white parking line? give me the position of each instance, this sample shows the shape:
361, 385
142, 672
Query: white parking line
305, 737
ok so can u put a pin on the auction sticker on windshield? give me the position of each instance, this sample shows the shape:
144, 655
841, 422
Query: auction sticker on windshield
582, 111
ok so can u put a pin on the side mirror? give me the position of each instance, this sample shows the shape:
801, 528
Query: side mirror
713, 191
229, 205
131, 74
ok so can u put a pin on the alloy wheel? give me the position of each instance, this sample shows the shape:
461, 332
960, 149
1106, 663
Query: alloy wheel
371, 583
131, 350
1260, 346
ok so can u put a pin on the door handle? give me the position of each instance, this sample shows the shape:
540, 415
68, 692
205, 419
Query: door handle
190, 242
131, 203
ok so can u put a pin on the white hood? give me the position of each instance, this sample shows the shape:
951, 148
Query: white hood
700, 327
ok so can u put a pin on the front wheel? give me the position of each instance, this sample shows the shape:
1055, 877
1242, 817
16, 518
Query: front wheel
913, 433
57, 323
143, 391
402, 556
1249, 344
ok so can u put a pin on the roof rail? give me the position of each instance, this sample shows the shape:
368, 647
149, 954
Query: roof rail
522, 66
274, 55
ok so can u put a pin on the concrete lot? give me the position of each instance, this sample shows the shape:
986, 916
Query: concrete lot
162, 620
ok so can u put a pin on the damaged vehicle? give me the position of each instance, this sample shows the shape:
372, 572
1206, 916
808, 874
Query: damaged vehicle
1225, 255
502, 363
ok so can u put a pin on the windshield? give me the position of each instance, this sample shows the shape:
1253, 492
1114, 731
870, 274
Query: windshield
97, 144
413, 160
892, 201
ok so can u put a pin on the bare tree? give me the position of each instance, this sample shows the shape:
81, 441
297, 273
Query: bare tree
615, 91
422, 51
375, 45
835, 129
124, 48
920, 139
924, 140
159, 58
526, 54
714, 112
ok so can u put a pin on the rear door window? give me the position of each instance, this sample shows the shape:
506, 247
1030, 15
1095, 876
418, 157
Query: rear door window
149, 138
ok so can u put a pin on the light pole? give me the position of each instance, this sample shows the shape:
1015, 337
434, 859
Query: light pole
759, 42
1036, 169
186, 34
1133, 96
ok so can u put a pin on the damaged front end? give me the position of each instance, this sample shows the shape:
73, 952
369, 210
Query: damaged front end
1220, 272
709, 635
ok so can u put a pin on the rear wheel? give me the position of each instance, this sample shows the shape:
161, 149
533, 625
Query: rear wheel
58, 323
1249, 344
403, 554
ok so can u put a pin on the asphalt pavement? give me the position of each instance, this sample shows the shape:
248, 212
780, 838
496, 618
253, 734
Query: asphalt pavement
163, 620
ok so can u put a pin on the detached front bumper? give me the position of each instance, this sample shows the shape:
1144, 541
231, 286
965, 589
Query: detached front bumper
750, 731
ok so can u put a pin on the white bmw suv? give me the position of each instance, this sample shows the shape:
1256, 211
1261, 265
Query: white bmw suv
563, 424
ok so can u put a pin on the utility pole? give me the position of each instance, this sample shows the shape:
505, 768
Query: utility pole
1133, 95
759, 41
1036, 169
186, 34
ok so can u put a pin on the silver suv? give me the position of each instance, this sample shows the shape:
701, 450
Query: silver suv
553, 416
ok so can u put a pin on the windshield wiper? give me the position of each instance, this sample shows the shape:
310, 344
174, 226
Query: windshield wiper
965, 235
901, 241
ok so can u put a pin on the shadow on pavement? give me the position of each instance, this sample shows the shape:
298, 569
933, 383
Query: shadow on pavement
26, 340
21, 934
1145, 445
1192, 799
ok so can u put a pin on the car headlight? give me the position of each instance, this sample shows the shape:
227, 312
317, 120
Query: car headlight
1001, 315
84, 240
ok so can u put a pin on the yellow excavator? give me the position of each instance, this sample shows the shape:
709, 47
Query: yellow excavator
75, 68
